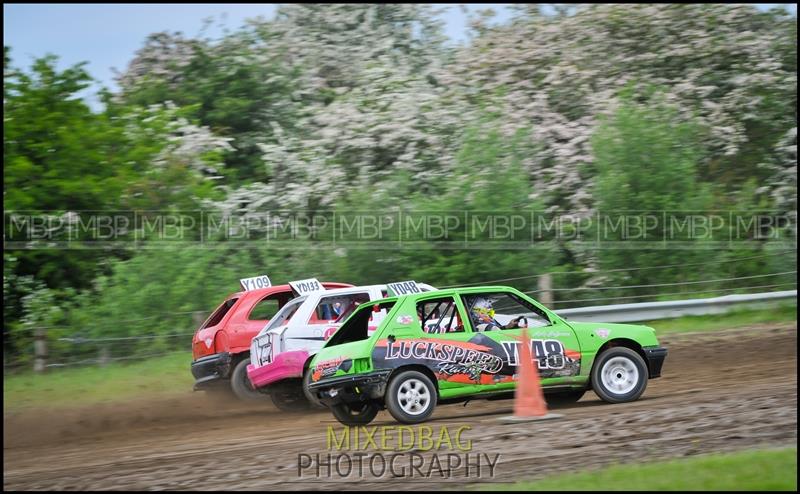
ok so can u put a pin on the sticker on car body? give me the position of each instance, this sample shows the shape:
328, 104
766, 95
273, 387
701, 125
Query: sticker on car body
404, 319
602, 332
328, 368
480, 360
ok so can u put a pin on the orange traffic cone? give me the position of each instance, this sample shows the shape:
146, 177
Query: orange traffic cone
529, 403
528, 397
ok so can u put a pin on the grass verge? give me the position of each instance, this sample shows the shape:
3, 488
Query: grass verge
159, 376
690, 324
753, 470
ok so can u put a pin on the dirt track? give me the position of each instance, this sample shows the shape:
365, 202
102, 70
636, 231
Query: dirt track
720, 391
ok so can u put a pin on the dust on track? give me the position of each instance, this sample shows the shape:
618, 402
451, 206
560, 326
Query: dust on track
720, 391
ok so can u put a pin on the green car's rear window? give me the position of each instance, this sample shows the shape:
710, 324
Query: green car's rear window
356, 328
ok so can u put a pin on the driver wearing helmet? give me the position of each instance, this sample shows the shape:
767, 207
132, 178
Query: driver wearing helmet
482, 313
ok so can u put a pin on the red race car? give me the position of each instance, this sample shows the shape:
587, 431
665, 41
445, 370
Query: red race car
221, 347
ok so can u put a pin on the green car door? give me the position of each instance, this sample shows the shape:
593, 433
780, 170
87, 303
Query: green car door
442, 318
501, 315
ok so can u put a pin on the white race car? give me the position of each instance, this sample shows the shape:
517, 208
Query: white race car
280, 353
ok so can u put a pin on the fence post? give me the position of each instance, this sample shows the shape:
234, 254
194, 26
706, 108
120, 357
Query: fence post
197, 319
545, 289
39, 350
104, 356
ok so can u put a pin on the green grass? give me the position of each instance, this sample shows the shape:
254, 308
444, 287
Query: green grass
160, 376
771, 469
687, 324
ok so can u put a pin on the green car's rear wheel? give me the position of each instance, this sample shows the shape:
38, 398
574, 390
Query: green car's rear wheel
410, 397
355, 413
619, 375
288, 396
312, 399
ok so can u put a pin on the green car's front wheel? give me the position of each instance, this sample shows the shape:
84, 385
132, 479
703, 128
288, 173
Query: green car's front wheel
619, 375
410, 397
355, 413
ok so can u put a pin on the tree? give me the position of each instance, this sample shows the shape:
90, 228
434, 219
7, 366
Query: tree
236, 88
62, 161
729, 67
647, 157
58, 157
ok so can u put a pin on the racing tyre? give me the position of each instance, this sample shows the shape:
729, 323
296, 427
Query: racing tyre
410, 397
315, 403
564, 398
619, 375
241, 385
288, 396
355, 413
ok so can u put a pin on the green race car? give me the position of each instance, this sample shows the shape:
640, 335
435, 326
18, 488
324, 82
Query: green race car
454, 345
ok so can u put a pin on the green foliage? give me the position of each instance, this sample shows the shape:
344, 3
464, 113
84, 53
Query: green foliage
62, 157
439, 220
58, 156
54, 149
229, 87
646, 158
155, 291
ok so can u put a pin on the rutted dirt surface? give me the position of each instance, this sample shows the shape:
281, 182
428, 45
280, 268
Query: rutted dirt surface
720, 391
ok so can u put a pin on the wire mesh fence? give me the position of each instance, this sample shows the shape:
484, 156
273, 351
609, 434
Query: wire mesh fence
66, 347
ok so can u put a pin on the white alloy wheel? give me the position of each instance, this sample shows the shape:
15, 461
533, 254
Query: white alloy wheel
413, 397
619, 375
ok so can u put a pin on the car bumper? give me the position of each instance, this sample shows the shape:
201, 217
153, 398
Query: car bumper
285, 366
351, 389
211, 369
655, 359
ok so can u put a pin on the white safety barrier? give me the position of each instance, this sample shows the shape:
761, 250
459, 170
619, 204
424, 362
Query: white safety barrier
649, 311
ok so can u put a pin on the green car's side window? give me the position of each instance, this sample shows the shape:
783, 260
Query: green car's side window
494, 311
440, 316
